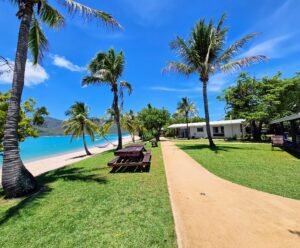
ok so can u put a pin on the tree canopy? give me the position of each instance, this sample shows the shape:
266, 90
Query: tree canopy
30, 117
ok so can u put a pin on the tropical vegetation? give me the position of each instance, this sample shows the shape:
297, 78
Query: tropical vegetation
30, 118
204, 54
130, 123
186, 109
106, 69
261, 100
17, 180
79, 124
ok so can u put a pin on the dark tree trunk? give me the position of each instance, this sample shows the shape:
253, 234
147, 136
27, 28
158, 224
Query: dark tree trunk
85, 146
132, 137
17, 181
211, 142
256, 130
117, 117
187, 126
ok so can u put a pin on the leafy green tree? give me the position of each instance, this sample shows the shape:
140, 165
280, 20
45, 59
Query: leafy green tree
30, 117
16, 179
80, 124
261, 100
204, 53
186, 108
153, 120
104, 130
106, 69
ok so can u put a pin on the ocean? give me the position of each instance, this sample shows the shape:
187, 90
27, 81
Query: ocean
43, 147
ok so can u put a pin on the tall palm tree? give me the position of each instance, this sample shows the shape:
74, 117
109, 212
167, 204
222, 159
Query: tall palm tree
16, 179
79, 124
186, 108
204, 53
106, 69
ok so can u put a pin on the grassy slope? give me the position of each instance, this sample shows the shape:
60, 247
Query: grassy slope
84, 206
252, 165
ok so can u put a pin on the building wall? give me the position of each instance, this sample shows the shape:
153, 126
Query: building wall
230, 131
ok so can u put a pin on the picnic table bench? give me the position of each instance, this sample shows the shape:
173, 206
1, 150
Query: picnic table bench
277, 141
133, 155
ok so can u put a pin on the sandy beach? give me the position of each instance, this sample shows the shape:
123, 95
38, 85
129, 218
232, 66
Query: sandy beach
41, 166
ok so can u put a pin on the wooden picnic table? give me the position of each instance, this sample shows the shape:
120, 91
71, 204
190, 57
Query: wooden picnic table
134, 151
132, 155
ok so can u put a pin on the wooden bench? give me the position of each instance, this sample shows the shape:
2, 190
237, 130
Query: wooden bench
277, 141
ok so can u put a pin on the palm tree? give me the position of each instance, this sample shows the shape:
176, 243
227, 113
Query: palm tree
79, 124
186, 108
16, 179
129, 122
204, 53
106, 69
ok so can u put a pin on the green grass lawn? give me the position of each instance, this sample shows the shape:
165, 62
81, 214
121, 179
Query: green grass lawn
84, 205
252, 165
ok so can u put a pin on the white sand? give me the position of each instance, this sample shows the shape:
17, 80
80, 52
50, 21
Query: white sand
48, 164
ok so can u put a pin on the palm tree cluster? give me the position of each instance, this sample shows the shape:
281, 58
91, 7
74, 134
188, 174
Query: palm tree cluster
79, 124
204, 54
16, 179
106, 69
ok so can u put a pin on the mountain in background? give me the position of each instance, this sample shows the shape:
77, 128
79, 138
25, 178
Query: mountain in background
54, 127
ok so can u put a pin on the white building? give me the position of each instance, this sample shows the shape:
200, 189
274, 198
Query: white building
219, 129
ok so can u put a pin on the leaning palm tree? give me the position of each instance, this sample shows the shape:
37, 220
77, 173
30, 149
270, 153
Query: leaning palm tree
80, 124
204, 53
106, 69
186, 108
16, 179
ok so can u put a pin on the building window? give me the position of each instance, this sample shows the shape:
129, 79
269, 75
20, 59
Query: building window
216, 129
222, 129
200, 129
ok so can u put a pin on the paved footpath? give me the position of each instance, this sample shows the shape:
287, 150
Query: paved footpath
212, 212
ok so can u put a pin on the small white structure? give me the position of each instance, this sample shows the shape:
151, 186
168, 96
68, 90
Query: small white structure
219, 129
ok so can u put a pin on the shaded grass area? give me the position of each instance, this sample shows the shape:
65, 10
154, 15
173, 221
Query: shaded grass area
84, 205
252, 165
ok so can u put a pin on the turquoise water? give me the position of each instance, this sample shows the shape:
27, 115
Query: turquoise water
42, 147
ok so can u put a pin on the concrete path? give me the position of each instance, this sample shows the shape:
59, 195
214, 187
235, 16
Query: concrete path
212, 212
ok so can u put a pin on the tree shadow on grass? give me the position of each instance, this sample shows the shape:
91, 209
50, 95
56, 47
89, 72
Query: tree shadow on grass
45, 180
215, 149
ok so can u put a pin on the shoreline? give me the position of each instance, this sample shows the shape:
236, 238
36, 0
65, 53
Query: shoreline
44, 165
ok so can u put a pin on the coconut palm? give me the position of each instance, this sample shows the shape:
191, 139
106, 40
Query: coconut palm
106, 69
129, 123
80, 124
186, 108
204, 53
16, 180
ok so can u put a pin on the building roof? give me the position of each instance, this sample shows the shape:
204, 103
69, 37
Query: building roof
287, 118
212, 123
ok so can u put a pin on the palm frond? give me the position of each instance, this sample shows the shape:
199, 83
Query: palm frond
126, 85
75, 7
50, 15
178, 68
37, 41
235, 48
221, 22
242, 63
93, 80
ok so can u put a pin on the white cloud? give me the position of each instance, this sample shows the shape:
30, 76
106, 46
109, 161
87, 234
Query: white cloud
34, 74
272, 48
64, 63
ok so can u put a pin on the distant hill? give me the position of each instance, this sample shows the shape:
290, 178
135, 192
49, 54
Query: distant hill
54, 127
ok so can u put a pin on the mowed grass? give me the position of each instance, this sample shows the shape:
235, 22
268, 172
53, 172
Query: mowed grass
252, 165
84, 205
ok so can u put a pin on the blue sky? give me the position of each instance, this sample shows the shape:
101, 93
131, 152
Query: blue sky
149, 26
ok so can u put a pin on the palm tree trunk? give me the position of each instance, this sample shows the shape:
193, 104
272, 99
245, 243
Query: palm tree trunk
117, 119
211, 142
85, 146
187, 126
17, 181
